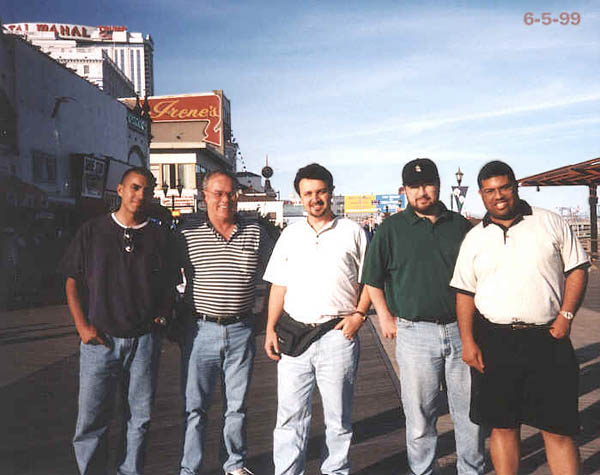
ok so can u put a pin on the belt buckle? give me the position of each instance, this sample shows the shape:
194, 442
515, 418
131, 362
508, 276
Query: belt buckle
519, 326
218, 320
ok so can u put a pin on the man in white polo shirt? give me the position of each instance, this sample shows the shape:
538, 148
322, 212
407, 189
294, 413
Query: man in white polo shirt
315, 270
524, 272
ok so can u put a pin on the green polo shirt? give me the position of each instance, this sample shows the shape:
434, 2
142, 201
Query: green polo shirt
412, 260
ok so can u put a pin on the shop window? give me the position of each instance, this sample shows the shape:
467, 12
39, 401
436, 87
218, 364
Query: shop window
44, 167
174, 173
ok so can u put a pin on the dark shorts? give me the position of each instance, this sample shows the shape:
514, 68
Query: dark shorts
530, 378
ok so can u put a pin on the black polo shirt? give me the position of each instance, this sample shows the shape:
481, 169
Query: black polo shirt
121, 290
412, 260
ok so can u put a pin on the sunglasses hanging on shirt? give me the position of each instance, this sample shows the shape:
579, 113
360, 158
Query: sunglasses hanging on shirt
128, 245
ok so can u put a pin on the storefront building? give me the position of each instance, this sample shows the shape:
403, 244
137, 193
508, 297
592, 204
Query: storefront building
191, 135
64, 145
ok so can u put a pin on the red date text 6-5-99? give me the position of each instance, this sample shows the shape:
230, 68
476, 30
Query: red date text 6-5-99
546, 18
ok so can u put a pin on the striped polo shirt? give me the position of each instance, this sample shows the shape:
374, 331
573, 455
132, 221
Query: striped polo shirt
222, 275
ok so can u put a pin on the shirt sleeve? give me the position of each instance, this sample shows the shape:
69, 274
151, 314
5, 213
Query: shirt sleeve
265, 250
72, 263
465, 278
572, 252
363, 242
375, 270
173, 262
276, 271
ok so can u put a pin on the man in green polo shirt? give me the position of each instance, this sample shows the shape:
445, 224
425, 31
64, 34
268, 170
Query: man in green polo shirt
407, 270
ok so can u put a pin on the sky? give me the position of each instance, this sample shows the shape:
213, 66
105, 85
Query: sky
362, 87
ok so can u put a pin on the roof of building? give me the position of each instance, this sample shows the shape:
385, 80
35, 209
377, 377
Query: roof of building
583, 173
242, 174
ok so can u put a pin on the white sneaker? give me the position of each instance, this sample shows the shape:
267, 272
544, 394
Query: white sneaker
240, 471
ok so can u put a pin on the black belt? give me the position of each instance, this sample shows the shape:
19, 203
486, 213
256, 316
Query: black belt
315, 325
224, 320
437, 321
518, 325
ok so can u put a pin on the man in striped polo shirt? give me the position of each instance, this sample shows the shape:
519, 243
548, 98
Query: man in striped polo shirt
223, 258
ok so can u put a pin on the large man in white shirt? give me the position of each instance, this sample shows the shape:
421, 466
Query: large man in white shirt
525, 273
315, 270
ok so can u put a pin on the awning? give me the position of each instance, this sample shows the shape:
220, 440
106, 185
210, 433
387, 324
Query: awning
584, 173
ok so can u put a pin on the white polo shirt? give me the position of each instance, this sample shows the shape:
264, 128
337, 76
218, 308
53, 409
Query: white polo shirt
320, 270
518, 273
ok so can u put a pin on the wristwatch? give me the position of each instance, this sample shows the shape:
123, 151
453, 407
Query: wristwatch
162, 321
362, 314
568, 315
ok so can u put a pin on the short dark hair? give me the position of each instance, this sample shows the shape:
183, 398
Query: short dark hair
495, 168
314, 171
222, 172
143, 171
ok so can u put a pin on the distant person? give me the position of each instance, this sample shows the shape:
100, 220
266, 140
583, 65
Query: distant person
407, 273
120, 276
521, 275
368, 230
224, 257
314, 271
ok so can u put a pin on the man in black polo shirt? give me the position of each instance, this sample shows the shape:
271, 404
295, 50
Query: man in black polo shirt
120, 276
407, 270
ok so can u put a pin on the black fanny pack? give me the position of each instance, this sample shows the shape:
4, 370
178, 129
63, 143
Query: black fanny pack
295, 337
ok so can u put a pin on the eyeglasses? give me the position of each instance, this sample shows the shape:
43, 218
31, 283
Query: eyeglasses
503, 190
128, 245
232, 195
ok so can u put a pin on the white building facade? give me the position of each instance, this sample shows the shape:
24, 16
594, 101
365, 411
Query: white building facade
61, 134
85, 48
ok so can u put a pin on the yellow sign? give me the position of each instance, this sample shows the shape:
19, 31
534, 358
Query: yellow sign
359, 204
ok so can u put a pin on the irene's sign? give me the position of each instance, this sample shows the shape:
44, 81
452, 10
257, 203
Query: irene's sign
201, 107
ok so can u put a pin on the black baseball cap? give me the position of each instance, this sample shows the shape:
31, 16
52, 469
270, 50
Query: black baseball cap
420, 170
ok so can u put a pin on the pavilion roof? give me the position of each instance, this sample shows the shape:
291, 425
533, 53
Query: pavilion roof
584, 173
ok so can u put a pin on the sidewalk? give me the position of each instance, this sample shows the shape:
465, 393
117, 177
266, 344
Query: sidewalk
39, 384
38, 397
586, 340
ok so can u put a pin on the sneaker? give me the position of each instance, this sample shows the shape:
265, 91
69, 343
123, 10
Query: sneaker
240, 471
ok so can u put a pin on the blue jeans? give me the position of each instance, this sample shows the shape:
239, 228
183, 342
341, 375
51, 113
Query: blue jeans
136, 359
330, 362
211, 350
427, 354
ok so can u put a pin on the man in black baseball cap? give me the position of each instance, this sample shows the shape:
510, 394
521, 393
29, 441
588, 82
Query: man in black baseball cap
420, 170
412, 257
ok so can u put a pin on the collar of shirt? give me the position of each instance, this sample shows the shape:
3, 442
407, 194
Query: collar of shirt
137, 226
414, 218
237, 226
329, 225
523, 210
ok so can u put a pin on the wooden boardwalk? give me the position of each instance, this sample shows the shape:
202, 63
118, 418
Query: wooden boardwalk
38, 401
585, 336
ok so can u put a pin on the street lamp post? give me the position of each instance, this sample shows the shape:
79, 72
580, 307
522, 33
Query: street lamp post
179, 189
459, 176
458, 192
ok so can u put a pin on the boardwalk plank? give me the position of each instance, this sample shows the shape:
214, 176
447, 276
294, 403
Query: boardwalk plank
38, 404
